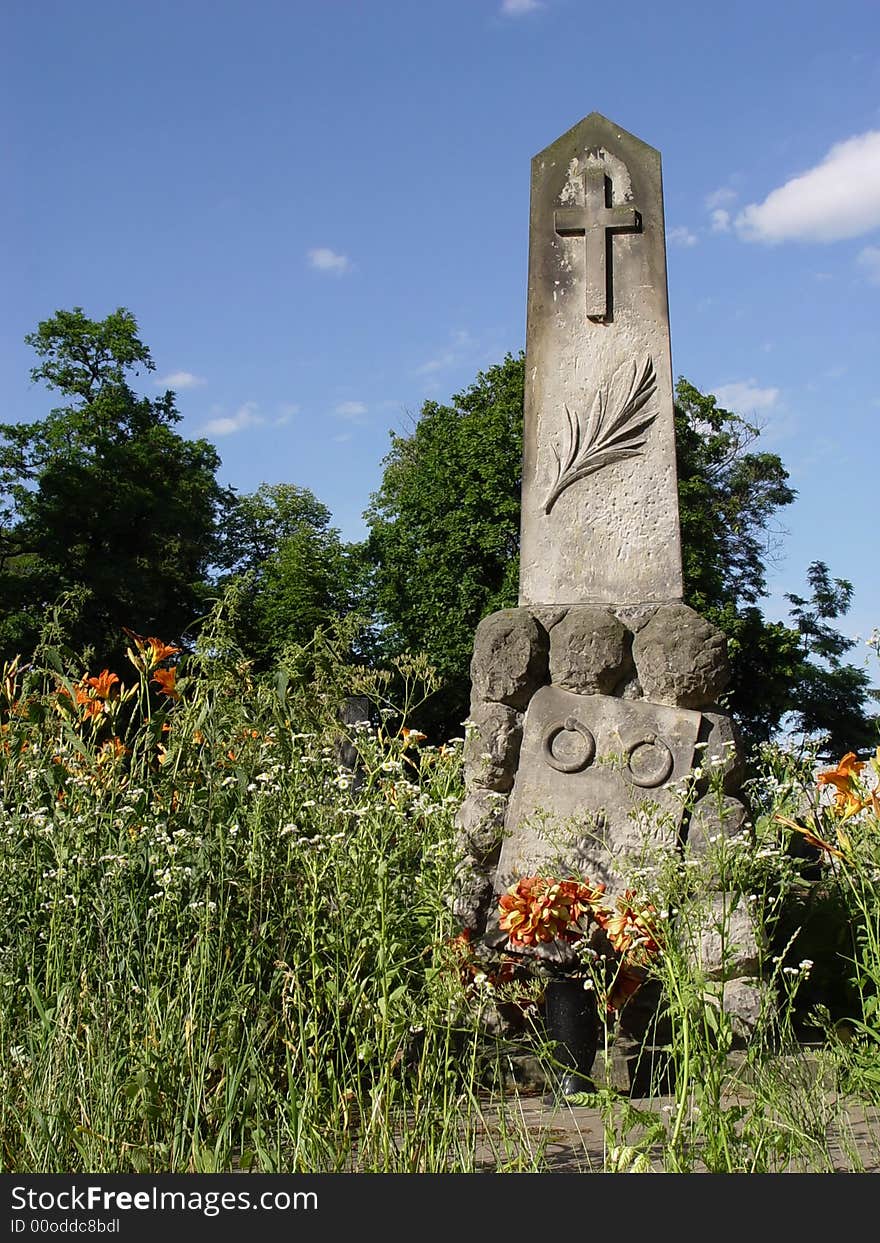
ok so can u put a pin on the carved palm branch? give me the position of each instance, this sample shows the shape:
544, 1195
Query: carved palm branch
613, 431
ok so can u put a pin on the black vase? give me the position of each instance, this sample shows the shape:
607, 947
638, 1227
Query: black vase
571, 1020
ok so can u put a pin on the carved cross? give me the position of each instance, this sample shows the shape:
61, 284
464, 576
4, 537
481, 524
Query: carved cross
596, 222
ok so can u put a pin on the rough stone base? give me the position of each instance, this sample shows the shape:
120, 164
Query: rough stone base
653, 654
641, 680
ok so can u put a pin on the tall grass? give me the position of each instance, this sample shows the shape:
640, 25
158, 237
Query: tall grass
776, 1092
221, 949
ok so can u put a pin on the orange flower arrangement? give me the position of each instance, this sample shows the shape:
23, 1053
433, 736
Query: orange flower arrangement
631, 928
538, 909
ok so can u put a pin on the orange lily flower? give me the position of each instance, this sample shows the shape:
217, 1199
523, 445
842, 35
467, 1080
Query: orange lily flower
809, 836
153, 650
166, 679
112, 749
160, 651
844, 778
630, 927
103, 683
92, 705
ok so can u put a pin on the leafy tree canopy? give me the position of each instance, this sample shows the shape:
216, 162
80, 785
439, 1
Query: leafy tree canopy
103, 495
830, 697
444, 541
294, 571
444, 530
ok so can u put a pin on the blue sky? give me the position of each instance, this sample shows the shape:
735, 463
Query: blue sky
318, 213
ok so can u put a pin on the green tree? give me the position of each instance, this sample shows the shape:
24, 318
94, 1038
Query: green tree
444, 540
294, 570
103, 495
444, 531
830, 697
729, 499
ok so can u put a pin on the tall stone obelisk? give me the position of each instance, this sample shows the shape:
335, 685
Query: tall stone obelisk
594, 698
599, 497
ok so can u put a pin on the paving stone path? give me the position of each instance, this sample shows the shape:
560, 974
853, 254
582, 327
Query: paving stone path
532, 1132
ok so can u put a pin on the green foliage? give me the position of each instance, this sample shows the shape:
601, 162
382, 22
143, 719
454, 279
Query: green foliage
218, 947
222, 951
444, 529
728, 500
444, 543
103, 495
830, 697
294, 572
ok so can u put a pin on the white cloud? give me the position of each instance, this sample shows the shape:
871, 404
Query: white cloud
869, 260
745, 395
682, 236
244, 417
719, 197
326, 260
837, 199
438, 363
518, 8
286, 410
350, 409
342, 438
180, 379
463, 345
720, 220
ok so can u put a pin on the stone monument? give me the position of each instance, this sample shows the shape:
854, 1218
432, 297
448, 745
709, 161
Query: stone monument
596, 697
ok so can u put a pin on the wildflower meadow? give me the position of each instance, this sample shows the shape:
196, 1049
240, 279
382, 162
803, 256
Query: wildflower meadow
223, 949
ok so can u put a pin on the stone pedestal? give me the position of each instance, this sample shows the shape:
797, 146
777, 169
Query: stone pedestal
570, 766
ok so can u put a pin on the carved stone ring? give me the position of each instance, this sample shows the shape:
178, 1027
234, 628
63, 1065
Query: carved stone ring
576, 762
662, 768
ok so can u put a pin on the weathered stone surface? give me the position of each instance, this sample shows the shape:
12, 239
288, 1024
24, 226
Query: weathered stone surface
479, 822
599, 493
744, 1001
472, 893
681, 658
723, 751
713, 817
491, 749
354, 714
589, 765
589, 651
725, 945
635, 616
510, 658
548, 617
631, 689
